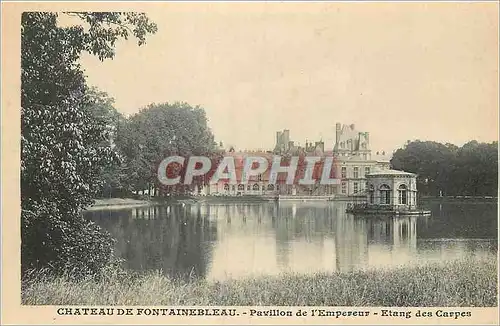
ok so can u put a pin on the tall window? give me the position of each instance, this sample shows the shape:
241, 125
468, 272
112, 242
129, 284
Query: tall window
344, 187
226, 186
344, 172
356, 187
356, 172
241, 187
259, 177
372, 194
385, 194
367, 170
403, 195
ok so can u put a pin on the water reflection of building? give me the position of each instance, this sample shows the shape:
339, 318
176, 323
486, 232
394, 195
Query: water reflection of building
394, 231
351, 243
393, 240
273, 239
302, 237
405, 232
362, 242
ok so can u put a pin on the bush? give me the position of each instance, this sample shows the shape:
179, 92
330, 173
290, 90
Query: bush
70, 245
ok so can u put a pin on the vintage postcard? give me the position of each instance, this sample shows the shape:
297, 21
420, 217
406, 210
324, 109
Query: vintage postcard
250, 163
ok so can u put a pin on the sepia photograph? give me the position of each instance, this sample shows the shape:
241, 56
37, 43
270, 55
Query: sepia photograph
307, 162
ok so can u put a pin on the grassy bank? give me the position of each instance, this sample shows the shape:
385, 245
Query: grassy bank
117, 202
460, 283
110, 203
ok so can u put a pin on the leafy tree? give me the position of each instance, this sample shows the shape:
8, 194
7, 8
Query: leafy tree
113, 176
445, 168
64, 142
159, 131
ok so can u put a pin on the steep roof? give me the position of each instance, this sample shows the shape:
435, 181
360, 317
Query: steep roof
239, 163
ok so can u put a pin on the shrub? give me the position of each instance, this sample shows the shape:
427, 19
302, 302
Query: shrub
70, 245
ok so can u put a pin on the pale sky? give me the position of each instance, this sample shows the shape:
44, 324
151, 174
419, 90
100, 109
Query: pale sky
400, 71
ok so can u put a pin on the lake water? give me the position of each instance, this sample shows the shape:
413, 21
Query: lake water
236, 240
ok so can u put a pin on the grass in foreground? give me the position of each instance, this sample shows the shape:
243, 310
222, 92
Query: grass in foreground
460, 283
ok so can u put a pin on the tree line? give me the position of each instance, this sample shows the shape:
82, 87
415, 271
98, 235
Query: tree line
449, 170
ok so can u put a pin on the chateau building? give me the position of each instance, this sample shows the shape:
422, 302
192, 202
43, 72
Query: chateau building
353, 160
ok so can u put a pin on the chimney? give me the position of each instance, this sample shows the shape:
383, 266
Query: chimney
338, 129
286, 136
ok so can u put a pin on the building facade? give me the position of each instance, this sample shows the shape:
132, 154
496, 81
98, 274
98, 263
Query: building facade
354, 160
352, 156
392, 188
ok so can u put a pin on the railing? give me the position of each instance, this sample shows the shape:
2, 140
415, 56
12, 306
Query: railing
381, 207
302, 197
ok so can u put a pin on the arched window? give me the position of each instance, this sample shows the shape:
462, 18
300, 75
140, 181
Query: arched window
385, 194
241, 187
226, 186
256, 187
270, 186
403, 194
